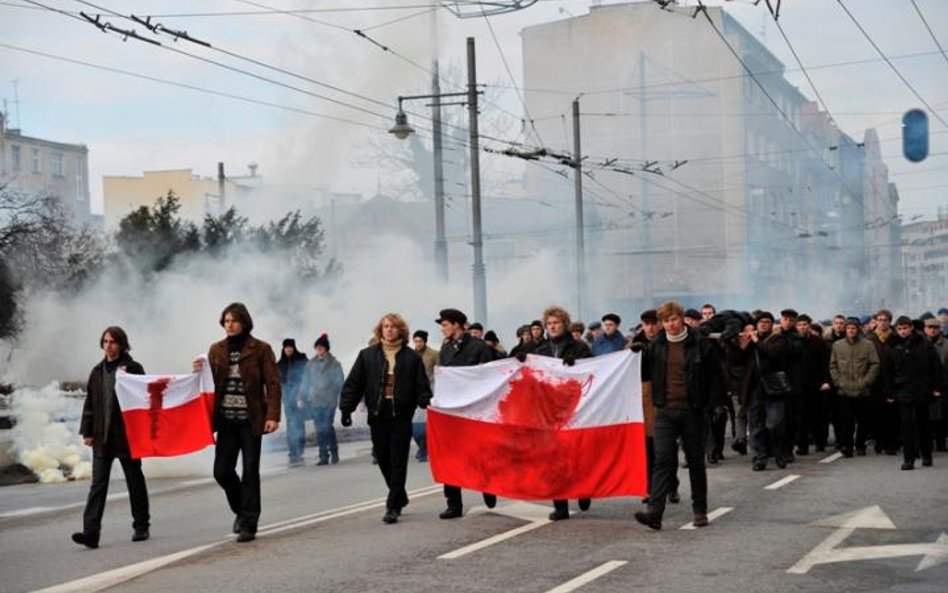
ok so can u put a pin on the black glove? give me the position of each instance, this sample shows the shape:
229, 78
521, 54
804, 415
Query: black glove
424, 403
569, 360
347, 418
637, 347
521, 356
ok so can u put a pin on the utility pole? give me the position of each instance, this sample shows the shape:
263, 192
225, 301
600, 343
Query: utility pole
221, 196
644, 186
580, 226
441, 243
480, 280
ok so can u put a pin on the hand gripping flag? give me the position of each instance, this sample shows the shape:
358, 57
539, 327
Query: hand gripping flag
541, 430
167, 415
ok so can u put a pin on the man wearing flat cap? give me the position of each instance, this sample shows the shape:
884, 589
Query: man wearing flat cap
460, 349
611, 339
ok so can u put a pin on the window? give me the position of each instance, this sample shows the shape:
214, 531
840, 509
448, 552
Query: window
15, 158
37, 164
56, 164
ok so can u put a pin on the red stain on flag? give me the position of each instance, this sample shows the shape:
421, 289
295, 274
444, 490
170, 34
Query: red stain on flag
156, 393
538, 402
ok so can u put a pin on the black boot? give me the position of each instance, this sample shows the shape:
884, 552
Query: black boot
86, 539
452, 512
559, 515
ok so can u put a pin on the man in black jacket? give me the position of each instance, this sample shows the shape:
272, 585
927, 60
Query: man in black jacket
561, 344
391, 378
460, 349
911, 382
103, 429
686, 379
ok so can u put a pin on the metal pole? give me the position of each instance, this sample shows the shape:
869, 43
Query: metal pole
441, 244
220, 187
480, 280
580, 226
644, 186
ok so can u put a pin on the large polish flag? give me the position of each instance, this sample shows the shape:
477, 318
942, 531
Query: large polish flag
540, 430
167, 415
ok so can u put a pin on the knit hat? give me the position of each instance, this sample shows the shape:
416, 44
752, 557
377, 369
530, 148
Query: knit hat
536, 323
289, 342
477, 325
322, 340
491, 336
420, 334
693, 314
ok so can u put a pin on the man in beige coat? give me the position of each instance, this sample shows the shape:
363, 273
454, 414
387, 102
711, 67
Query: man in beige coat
854, 366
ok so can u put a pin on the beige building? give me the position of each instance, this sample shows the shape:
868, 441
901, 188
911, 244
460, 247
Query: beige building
198, 195
36, 166
925, 264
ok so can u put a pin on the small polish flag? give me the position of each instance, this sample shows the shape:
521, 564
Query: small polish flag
167, 415
541, 430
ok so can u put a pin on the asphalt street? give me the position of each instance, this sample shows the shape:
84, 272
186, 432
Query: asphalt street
822, 524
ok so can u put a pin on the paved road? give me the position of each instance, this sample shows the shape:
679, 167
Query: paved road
322, 531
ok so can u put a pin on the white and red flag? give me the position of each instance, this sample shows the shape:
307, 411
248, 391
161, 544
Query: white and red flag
167, 415
540, 430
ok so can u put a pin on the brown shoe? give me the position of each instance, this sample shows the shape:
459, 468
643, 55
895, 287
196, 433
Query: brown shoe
701, 520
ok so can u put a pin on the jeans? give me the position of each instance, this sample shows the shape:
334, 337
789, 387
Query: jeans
295, 429
689, 426
323, 417
419, 432
243, 492
767, 426
99, 489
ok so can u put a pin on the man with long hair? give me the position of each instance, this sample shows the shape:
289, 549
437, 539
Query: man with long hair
390, 378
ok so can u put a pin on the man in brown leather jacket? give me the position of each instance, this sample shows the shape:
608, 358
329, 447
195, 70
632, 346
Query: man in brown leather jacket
247, 406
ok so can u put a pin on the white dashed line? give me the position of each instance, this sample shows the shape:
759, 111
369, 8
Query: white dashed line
718, 512
831, 458
588, 577
782, 482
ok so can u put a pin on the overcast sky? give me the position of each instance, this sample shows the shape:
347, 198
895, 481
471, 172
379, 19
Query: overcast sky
132, 125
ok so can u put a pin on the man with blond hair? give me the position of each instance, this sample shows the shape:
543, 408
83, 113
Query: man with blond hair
684, 373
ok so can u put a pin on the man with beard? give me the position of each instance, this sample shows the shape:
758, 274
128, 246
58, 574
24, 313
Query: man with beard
460, 349
685, 375
560, 344
247, 406
390, 378
939, 408
103, 429
322, 383
911, 382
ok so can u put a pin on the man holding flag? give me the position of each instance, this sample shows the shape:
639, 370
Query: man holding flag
103, 429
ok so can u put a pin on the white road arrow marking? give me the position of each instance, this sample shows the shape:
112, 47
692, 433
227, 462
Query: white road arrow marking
828, 551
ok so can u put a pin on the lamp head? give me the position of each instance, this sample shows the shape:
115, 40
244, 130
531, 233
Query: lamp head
401, 129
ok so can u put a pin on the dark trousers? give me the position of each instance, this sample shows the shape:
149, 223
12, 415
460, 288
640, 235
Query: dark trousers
812, 418
391, 440
689, 426
717, 427
99, 490
767, 426
794, 410
939, 421
243, 492
916, 430
650, 466
884, 417
853, 416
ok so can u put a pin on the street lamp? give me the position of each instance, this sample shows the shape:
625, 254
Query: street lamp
403, 130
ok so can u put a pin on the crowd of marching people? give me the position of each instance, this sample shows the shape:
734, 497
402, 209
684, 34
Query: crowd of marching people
780, 385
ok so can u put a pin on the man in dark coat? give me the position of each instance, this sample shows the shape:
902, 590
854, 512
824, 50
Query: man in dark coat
560, 343
460, 349
390, 378
913, 378
247, 406
685, 375
103, 429
815, 386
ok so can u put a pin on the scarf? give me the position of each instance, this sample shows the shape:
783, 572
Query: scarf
679, 338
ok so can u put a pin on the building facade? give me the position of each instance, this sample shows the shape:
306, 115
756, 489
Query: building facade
37, 166
731, 190
925, 264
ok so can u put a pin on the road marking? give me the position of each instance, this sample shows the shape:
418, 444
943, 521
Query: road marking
828, 551
832, 457
111, 578
718, 512
493, 540
588, 577
197, 482
782, 482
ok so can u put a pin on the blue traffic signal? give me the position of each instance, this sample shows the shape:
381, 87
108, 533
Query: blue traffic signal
915, 135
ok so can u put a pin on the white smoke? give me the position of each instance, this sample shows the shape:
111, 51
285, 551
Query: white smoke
45, 435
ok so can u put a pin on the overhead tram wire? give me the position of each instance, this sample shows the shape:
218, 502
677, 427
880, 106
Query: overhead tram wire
796, 57
503, 58
188, 86
898, 73
941, 50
